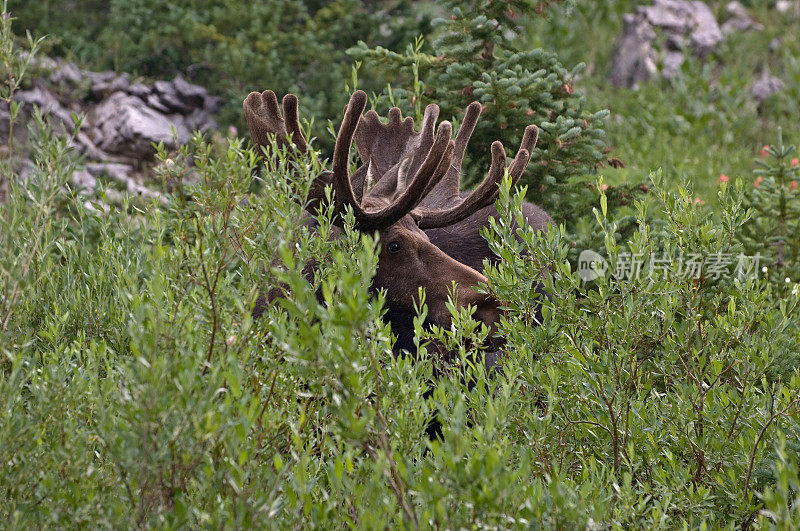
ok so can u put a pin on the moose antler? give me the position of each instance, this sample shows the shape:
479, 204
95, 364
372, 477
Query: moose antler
485, 194
264, 119
442, 204
430, 171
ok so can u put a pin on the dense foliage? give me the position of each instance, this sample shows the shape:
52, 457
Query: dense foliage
136, 389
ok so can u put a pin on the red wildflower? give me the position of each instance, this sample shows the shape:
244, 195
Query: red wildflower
763, 151
723, 178
757, 182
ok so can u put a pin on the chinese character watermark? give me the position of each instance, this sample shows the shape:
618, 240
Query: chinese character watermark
591, 265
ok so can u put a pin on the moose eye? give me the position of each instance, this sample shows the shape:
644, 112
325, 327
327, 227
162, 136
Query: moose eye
394, 247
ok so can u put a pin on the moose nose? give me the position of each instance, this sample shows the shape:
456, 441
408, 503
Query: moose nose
489, 313
487, 306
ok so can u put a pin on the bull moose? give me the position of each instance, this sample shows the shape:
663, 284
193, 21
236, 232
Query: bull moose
407, 190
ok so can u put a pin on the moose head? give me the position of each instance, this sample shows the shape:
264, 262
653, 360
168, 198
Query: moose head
408, 182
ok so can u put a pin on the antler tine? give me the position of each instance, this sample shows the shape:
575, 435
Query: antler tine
529, 139
264, 119
341, 155
426, 135
487, 191
465, 130
291, 119
447, 192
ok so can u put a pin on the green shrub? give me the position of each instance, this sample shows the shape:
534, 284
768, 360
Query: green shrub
136, 390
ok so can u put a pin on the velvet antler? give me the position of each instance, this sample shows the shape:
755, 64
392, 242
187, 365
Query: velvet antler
385, 146
264, 119
430, 171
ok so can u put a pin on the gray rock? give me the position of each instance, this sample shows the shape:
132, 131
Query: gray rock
212, 104
656, 34
103, 89
121, 173
155, 101
766, 86
140, 90
5, 120
682, 17
786, 6
84, 181
171, 99
125, 125
126, 121
84, 145
40, 61
634, 57
194, 95
740, 19
100, 77
672, 64
114, 170
200, 120
67, 73
47, 102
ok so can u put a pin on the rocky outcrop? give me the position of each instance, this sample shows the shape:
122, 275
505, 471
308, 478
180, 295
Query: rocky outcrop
123, 118
125, 125
766, 86
656, 37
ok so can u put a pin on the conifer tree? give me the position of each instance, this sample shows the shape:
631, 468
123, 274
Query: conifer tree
476, 57
773, 231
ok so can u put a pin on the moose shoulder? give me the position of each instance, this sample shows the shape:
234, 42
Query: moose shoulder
407, 190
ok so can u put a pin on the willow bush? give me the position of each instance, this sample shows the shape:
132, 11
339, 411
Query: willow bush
137, 390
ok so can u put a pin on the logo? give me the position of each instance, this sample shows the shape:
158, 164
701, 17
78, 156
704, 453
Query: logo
591, 265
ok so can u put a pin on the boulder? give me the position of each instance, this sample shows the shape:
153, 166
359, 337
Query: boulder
124, 125
194, 95
634, 58
140, 90
67, 73
656, 37
740, 19
103, 89
123, 119
788, 6
200, 120
169, 98
766, 86
84, 181
48, 103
